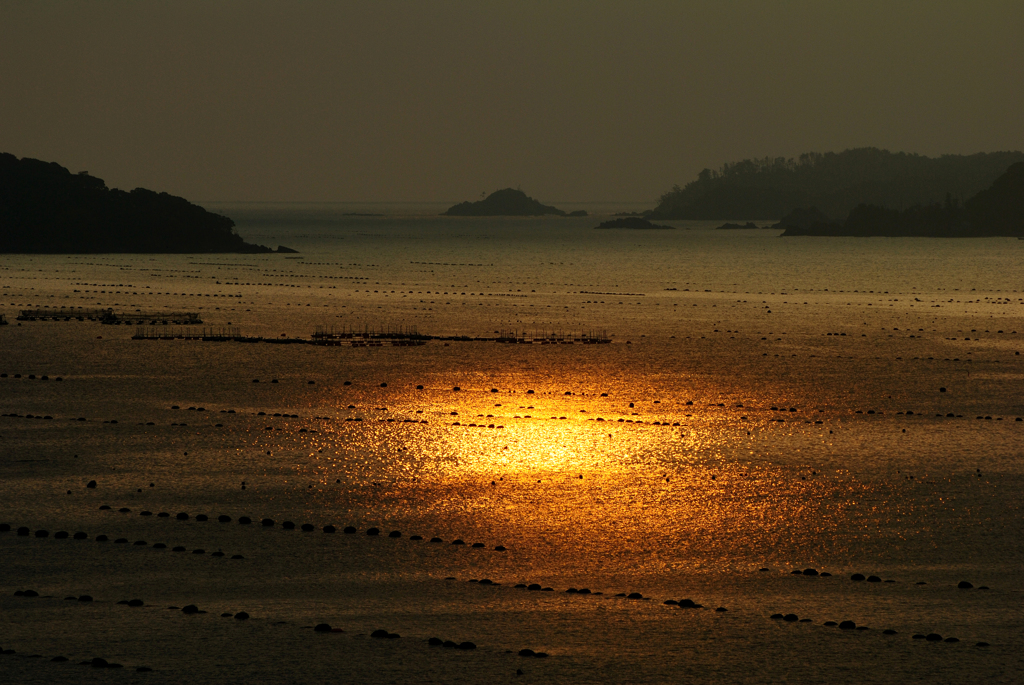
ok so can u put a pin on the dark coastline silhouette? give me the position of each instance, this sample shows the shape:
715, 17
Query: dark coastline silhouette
835, 183
632, 223
45, 209
507, 202
997, 211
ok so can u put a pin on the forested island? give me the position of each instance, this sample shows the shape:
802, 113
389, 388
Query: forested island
995, 211
507, 202
835, 183
45, 209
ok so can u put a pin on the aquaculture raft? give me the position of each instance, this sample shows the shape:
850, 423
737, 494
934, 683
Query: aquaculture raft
348, 337
109, 316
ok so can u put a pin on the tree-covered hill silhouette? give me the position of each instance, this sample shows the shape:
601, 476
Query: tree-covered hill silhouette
835, 183
44, 208
996, 211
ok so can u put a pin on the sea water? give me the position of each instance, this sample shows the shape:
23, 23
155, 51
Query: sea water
764, 405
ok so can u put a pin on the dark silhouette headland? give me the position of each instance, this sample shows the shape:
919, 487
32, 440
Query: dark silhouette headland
997, 211
507, 202
835, 183
45, 209
633, 223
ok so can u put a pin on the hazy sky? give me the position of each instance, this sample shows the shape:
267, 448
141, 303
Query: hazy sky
346, 101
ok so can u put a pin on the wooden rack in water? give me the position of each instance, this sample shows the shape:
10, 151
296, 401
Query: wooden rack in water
3, 320
553, 338
368, 333
203, 334
109, 316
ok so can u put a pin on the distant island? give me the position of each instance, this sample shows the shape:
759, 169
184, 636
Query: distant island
45, 209
632, 222
733, 227
507, 202
997, 211
835, 183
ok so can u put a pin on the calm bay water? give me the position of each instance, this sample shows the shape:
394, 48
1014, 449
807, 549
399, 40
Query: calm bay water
764, 404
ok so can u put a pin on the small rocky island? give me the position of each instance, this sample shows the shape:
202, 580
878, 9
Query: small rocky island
632, 222
507, 202
997, 211
45, 209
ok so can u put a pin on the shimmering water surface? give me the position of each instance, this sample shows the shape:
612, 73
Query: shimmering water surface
763, 404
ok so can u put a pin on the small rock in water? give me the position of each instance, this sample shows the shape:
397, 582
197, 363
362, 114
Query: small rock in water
847, 625
190, 609
322, 628
964, 585
790, 618
857, 576
373, 531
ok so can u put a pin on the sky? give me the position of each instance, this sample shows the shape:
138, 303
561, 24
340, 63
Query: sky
600, 100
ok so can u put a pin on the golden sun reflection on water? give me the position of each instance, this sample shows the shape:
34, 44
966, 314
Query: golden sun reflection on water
640, 492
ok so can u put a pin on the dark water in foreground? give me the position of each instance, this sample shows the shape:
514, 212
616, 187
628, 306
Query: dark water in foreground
764, 403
